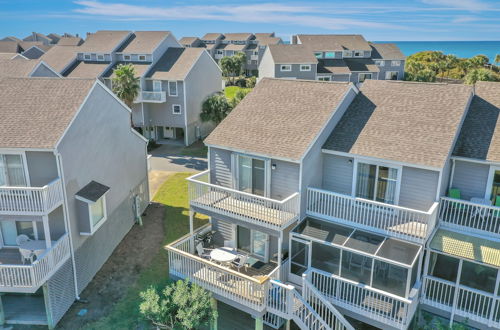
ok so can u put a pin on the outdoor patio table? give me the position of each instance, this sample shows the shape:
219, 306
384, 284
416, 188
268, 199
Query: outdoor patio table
223, 255
35, 246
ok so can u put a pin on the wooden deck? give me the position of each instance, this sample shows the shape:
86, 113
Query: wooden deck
10, 256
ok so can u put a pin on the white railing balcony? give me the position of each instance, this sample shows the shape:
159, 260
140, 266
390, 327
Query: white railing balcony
477, 217
243, 206
472, 304
223, 281
254, 57
387, 219
375, 304
31, 200
29, 277
218, 56
151, 97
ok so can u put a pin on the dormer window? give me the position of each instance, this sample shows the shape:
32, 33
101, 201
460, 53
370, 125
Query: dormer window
142, 58
358, 53
87, 57
100, 57
126, 57
91, 207
329, 54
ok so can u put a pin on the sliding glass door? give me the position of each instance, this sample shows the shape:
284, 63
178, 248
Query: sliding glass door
376, 182
251, 175
12, 171
253, 242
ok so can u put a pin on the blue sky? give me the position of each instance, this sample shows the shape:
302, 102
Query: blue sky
378, 20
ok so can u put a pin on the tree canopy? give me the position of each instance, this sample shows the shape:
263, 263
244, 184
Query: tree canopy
125, 83
216, 107
232, 66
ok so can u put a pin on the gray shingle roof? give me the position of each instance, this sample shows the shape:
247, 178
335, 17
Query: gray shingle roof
9, 47
331, 42
333, 66
237, 36
93, 191
211, 36
188, 40
86, 70
140, 69
36, 111
361, 65
17, 68
386, 52
103, 41
59, 57
408, 122
144, 42
265, 41
70, 41
175, 63
480, 134
289, 54
279, 118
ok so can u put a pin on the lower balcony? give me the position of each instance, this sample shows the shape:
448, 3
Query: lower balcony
151, 97
396, 221
246, 286
255, 209
27, 275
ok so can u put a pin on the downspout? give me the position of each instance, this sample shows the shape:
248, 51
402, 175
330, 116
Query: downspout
67, 223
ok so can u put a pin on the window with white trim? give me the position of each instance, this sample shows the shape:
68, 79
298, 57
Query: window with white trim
305, 67
87, 57
176, 109
285, 67
396, 63
97, 212
391, 75
172, 88
363, 76
380, 63
142, 58
358, 53
324, 78
100, 57
329, 54
12, 172
347, 53
126, 57
376, 182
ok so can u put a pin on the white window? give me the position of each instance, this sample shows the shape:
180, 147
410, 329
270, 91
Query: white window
220, 52
176, 109
157, 86
126, 57
395, 63
86, 57
97, 212
380, 63
142, 57
377, 182
305, 67
347, 53
329, 54
358, 53
318, 54
100, 57
286, 67
12, 172
325, 78
391, 75
172, 88
363, 76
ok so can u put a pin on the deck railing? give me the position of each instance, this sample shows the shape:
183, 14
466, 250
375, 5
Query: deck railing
483, 218
393, 220
376, 304
31, 200
28, 278
460, 300
255, 209
223, 281
152, 97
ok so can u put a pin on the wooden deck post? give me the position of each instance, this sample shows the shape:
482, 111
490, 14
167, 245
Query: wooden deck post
280, 251
259, 325
213, 324
191, 230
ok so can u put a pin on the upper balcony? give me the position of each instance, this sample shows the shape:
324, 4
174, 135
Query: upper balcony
396, 221
31, 200
151, 97
255, 209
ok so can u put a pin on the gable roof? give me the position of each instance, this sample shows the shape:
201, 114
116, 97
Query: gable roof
70, 41
289, 54
361, 64
235, 47
25, 45
408, 122
329, 42
386, 51
143, 42
188, 40
6, 56
237, 36
17, 68
279, 118
265, 41
54, 37
49, 103
480, 134
175, 64
211, 36
103, 41
59, 57
9, 47
36, 36
87, 69
264, 34
140, 69
333, 66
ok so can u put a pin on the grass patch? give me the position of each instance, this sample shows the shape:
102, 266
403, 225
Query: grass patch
230, 91
197, 149
173, 194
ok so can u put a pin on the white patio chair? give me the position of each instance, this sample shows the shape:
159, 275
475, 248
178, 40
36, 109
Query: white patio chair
202, 252
22, 239
26, 255
240, 262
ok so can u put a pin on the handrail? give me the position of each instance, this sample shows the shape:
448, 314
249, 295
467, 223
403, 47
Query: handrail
463, 201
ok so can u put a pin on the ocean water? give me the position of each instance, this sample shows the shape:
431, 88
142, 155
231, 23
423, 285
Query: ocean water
457, 48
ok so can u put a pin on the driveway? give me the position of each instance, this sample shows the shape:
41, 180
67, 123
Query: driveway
168, 158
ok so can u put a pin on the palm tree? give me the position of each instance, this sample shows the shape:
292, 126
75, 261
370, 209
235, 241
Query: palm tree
126, 84
497, 59
215, 108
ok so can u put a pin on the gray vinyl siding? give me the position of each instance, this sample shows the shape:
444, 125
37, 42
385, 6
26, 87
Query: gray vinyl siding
284, 179
471, 178
418, 188
161, 114
387, 67
169, 41
337, 174
355, 76
223, 229
295, 72
134, 57
33, 53
42, 167
220, 167
43, 71
446, 177
60, 292
341, 77
312, 164
204, 79
266, 66
93, 57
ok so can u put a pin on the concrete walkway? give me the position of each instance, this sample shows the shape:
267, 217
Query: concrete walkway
168, 158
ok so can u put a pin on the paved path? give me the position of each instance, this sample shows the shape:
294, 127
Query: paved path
167, 158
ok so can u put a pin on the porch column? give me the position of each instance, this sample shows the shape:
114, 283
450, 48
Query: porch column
191, 230
46, 231
259, 325
456, 295
2, 313
213, 324
280, 249
287, 324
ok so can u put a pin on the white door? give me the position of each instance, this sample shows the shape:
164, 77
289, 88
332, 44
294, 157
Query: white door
9, 233
168, 132
253, 242
156, 86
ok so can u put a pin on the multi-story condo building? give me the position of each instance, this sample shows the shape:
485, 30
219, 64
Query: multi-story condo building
174, 80
64, 202
323, 206
333, 58
220, 45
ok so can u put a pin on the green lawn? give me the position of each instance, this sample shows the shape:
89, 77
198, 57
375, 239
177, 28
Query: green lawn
173, 194
230, 91
197, 149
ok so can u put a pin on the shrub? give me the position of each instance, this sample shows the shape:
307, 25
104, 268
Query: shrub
251, 82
